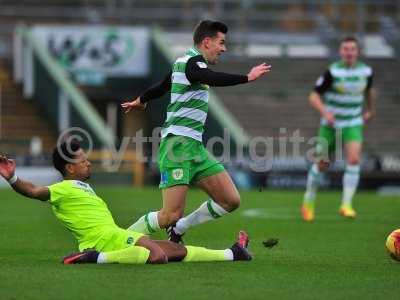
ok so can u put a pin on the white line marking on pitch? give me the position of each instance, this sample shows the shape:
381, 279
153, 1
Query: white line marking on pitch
276, 213
284, 213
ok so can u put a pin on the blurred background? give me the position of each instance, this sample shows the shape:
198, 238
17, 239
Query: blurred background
70, 64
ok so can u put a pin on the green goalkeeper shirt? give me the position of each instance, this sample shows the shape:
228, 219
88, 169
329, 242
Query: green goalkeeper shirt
82, 212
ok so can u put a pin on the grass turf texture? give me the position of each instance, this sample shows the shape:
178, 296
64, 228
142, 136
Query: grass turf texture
332, 258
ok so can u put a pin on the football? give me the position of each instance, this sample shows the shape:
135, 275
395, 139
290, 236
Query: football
393, 244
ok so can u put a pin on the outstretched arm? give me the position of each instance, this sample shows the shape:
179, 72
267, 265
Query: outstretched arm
154, 92
157, 90
25, 188
197, 71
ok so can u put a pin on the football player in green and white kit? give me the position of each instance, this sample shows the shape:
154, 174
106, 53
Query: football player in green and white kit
344, 97
86, 216
183, 160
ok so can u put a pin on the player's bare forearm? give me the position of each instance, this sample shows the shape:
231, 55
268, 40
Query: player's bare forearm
316, 103
133, 105
370, 103
30, 190
369, 111
25, 188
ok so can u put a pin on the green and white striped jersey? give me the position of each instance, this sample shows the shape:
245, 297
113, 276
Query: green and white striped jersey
343, 90
187, 110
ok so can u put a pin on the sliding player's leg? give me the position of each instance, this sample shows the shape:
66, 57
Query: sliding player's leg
118, 246
156, 252
176, 252
238, 251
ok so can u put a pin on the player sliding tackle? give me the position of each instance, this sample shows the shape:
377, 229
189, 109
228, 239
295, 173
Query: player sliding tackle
182, 159
86, 215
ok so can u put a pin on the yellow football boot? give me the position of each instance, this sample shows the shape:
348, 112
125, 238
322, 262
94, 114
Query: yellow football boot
347, 211
307, 211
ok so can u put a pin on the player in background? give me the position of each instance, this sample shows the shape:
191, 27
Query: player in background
183, 160
86, 216
344, 98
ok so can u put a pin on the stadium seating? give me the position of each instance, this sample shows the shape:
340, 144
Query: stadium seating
21, 119
281, 100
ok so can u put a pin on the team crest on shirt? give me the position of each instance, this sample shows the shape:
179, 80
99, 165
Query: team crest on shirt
130, 240
177, 174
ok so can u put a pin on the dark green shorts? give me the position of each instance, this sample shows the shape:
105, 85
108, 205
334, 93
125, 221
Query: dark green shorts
183, 160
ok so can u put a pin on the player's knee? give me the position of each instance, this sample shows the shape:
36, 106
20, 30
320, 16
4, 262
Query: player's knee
323, 165
234, 201
181, 253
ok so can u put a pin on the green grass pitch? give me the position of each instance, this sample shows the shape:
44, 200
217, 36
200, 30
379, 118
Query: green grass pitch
332, 258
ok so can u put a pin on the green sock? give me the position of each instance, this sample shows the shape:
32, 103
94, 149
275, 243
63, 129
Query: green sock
129, 255
197, 254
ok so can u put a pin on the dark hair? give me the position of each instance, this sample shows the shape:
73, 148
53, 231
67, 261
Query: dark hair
350, 39
63, 154
208, 28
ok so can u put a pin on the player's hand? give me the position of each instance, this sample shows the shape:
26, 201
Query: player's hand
7, 167
323, 164
367, 116
329, 117
133, 105
257, 71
